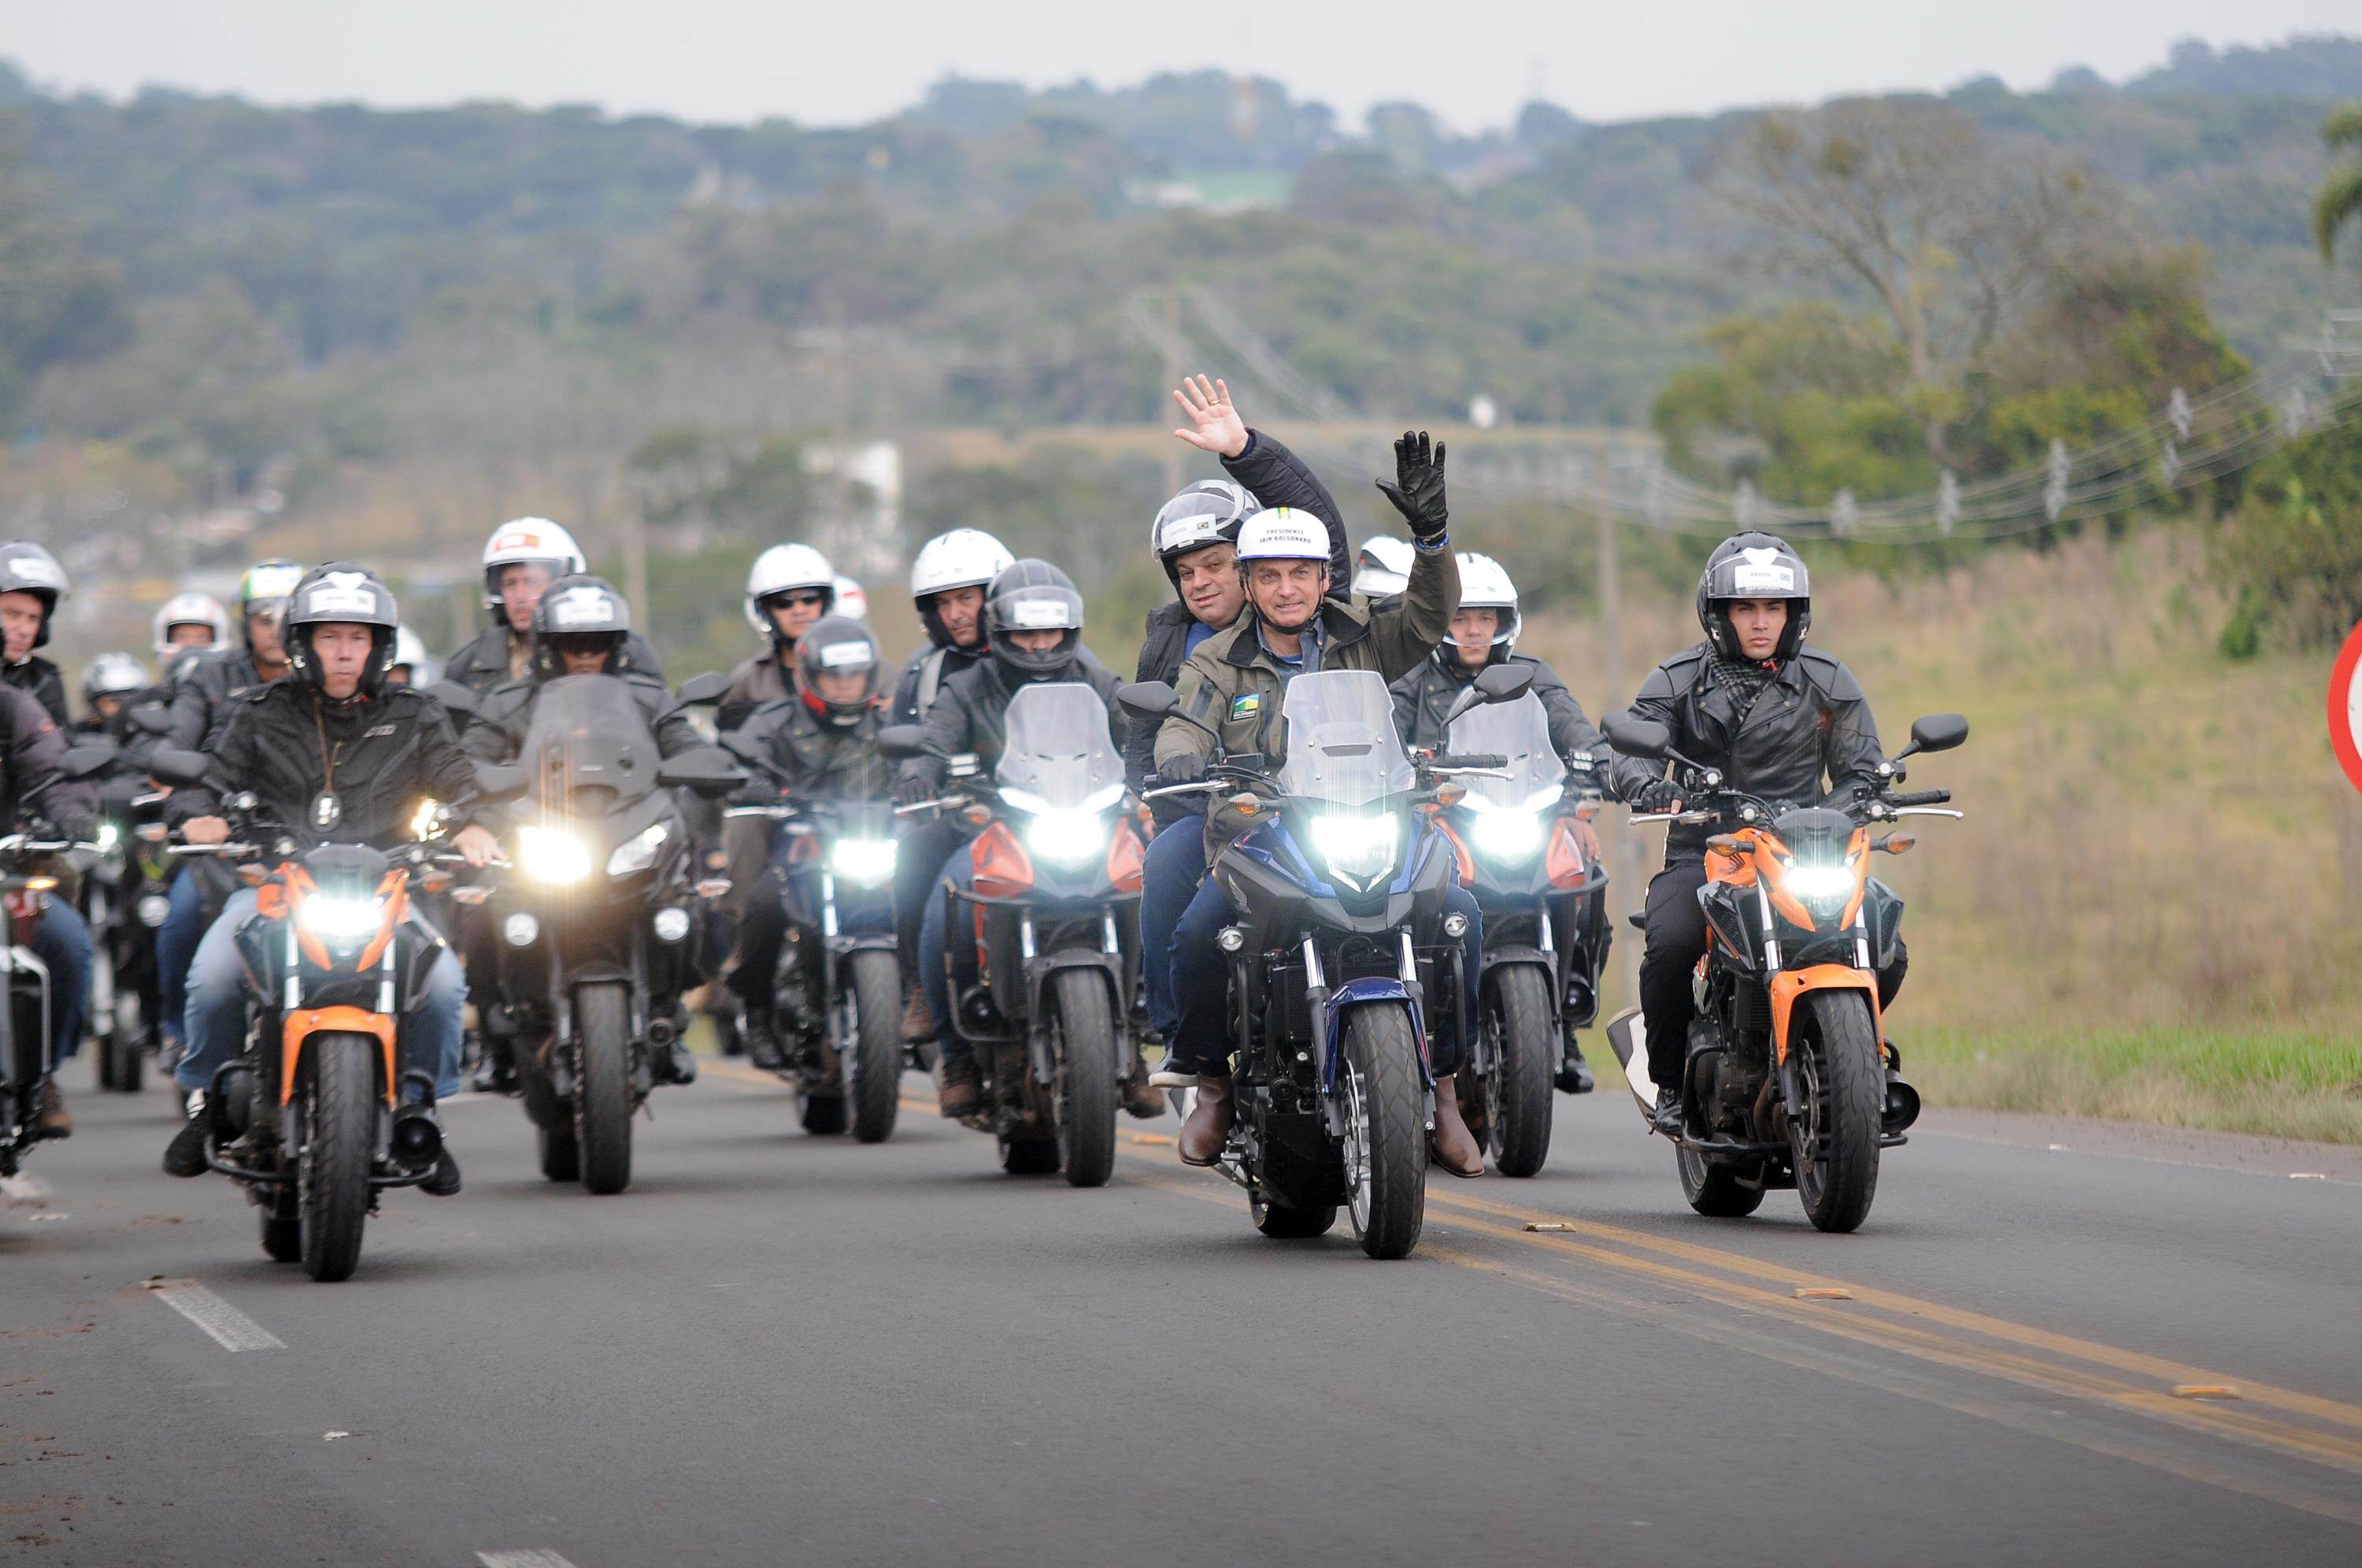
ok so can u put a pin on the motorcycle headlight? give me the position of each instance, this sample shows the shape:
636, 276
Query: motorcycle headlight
1069, 837
109, 836
864, 862
1361, 849
636, 854
1822, 887
1507, 835
342, 920
552, 855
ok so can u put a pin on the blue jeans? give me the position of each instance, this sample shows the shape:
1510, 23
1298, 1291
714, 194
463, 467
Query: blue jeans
934, 948
62, 942
1202, 974
1177, 862
176, 944
216, 1008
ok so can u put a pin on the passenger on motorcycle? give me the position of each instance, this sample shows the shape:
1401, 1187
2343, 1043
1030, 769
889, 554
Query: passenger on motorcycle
582, 625
1034, 631
825, 740
521, 559
1234, 684
1484, 633
31, 747
1194, 537
329, 749
1779, 719
203, 695
948, 584
31, 583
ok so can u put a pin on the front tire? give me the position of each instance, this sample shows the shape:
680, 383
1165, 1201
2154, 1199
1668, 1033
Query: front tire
1833, 1135
1087, 1075
339, 1138
1518, 1098
603, 1090
876, 1063
1386, 1136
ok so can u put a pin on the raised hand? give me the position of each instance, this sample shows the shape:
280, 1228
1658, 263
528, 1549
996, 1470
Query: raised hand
1217, 425
1417, 489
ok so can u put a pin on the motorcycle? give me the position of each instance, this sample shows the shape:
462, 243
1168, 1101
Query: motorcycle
593, 919
123, 903
1340, 953
25, 889
1544, 940
838, 990
1789, 1080
1054, 913
310, 1118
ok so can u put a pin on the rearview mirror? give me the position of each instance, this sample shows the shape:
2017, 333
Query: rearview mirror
88, 759
497, 781
173, 766
1148, 699
1937, 732
456, 699
151, 719
1494, 683
1636, 736
706, 770
903, 741
740, 744
703, 690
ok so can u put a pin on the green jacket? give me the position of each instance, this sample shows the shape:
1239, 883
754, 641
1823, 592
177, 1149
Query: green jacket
1232, 683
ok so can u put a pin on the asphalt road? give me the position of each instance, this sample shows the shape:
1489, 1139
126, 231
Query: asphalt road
780, 1349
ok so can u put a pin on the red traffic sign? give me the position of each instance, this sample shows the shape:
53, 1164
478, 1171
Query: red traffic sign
2346, 706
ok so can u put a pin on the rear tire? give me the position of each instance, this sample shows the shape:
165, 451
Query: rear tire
1833, 1138
283, 1236
1525, 1048
603, 1090
1292, 1224
561, 1156
1029, 1156
1385, 1157
340, 1097
821, 1114
1086, 1090
1715, 1190
874, 1065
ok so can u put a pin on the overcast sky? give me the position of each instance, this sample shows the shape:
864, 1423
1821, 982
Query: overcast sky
1474, 62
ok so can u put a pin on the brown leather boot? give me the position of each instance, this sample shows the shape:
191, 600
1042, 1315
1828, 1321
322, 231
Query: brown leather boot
54, 1121
916, 1024
1208, 1130
1455, 1147
958, 1086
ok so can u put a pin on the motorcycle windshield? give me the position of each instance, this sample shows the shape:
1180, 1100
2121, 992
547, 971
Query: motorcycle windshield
1520, 732
1059, 754
1341, 745
589, 746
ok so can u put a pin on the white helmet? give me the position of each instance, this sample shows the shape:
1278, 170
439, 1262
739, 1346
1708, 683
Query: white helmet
1383, 568
409, 649
1284, 534
112, 675
189, 609
965, 557
1485, 585
851, 599
524, 539
783, 569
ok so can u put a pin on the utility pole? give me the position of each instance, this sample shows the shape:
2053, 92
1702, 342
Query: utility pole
1172, 450
1625, 869
840, 387
635, 549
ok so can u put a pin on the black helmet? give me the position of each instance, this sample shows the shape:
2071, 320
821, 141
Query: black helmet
838, 645
28, 568
1754, 566
342, 592
1032, 596
1208, 513
585, 607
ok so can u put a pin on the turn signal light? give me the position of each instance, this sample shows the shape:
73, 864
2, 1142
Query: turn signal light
1896, 842
1246, 803
1450, 792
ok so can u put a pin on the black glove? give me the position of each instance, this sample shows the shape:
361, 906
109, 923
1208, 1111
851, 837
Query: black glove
1417, 489
81, 828
1656, 795
913, 787
1181, 767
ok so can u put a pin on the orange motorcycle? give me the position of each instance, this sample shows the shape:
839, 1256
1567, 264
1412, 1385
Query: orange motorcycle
1790, 1080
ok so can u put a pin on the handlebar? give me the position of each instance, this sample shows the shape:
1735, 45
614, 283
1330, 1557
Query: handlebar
1920, 798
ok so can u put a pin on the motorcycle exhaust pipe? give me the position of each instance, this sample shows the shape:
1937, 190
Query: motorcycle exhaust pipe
415, 1140
1902, 1104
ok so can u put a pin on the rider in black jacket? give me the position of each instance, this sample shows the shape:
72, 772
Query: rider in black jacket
31, 583
335, 753
31, 747
1782, 721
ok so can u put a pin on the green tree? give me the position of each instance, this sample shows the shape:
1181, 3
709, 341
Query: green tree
2340, 202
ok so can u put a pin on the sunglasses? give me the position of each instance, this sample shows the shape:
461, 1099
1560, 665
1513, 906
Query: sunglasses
800, 601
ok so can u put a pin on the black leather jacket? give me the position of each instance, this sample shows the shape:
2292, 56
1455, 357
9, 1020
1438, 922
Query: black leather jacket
971, 714
483, 663
31, 746
837, 762
1812, 725
38, 677
497, 731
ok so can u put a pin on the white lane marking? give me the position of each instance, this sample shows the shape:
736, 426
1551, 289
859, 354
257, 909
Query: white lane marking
230, 1328
532, 1557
